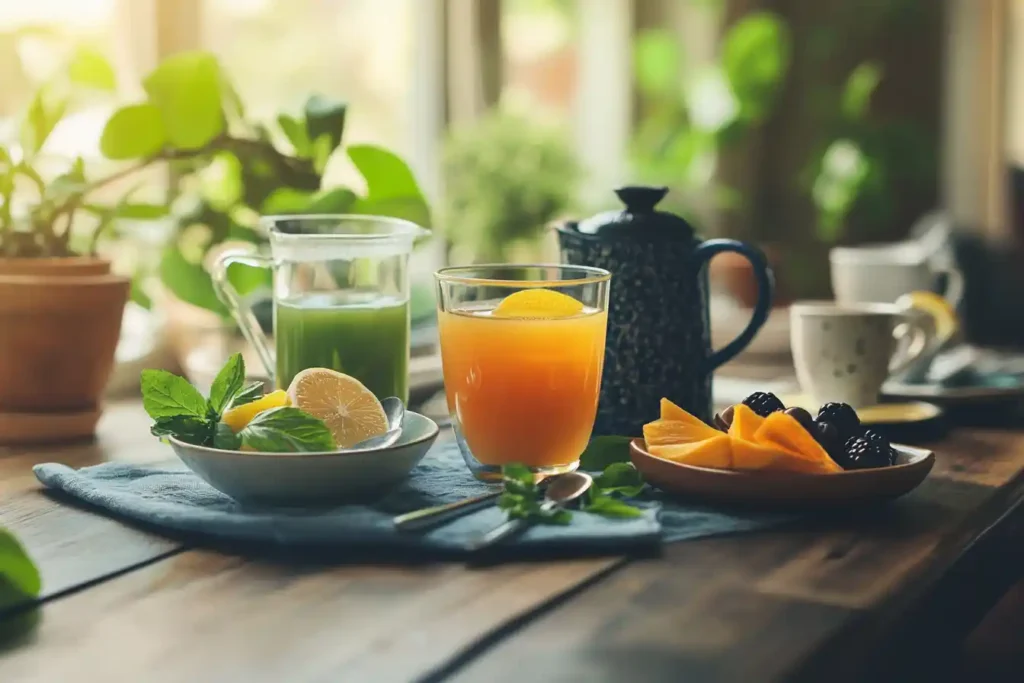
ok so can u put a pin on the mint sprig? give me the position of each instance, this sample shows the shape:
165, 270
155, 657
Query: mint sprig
522, 497
179, 410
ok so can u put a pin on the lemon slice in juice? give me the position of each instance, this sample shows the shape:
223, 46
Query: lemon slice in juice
348, 408
538, 303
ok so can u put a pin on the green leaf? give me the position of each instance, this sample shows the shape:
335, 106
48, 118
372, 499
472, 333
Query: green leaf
619, 477
135, 131
232, 104
295, 131
247, 394
286, 200
860, 86
136, 211
186, 89
185, 428
225, 438
286, 430
220, 182
518, 480
43, 114
656, 63
91, 69
189, 281
139, 296
320, 152
336, 200
390, 185
612, 507
228, 382
19, 578
325, 116
164, 394
604, 451
756, 55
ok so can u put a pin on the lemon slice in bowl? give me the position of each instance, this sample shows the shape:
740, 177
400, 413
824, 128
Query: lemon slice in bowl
538, 303
238, 418
348, 408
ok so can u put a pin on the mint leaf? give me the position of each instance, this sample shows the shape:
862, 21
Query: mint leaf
225, 438
166, 395
227, 383
19, 577
522, 498
286, 430
612, 507
185, 428
619, 477
603, 451
247, 394
518, 479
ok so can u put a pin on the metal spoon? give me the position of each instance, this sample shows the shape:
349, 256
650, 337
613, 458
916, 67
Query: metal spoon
562, 489
395, 412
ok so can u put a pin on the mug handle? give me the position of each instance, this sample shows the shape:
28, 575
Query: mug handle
765, 288
240, 310
921, 338
954, 285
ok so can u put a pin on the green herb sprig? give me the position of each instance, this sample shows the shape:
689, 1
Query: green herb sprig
179, 410
522, 497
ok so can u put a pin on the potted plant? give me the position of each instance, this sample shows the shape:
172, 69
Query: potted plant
506, 178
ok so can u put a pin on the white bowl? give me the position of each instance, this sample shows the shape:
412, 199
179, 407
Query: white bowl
302, 479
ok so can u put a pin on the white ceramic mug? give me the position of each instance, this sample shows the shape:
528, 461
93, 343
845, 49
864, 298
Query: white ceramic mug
885, 272
845, 351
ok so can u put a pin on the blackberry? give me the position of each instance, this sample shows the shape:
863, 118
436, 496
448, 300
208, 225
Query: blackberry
828, 437
843, 417
803, 417
881, 442
764, 403
862, 454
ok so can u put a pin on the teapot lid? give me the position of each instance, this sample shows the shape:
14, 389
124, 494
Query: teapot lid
640, 219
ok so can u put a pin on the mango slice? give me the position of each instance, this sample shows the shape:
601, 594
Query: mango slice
785, 433
745, 422
715, 452
664, 432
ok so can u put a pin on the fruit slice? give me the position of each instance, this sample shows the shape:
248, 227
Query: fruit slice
670, 411
939, 308
715, 452
745, 422
783, 432
348, 408
667, 432
538, 303
238, 418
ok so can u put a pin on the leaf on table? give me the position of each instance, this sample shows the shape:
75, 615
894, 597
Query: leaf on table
19, 577
607, 506
229, 381
621, 478
604, 451
164, 394
286, 430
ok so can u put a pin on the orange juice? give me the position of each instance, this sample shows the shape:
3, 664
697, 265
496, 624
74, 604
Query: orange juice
523, 389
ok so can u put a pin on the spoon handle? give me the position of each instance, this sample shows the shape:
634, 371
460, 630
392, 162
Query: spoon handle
505, 530
427, 517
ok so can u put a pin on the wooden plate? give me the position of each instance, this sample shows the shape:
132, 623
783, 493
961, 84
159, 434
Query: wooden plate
785, 489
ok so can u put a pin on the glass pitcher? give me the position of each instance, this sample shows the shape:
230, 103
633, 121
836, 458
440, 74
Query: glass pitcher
341, 298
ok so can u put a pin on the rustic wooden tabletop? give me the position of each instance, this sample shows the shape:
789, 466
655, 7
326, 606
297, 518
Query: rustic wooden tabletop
835, 596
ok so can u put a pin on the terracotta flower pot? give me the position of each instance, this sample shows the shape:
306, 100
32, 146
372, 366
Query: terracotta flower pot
60, 320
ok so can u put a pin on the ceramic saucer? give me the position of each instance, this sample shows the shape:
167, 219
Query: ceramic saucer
906, 420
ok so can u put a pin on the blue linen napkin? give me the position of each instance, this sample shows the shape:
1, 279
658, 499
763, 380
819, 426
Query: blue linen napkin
177, 500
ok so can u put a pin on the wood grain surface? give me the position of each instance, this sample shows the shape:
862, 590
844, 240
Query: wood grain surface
796, 603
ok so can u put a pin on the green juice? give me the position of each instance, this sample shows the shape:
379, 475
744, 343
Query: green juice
362, 335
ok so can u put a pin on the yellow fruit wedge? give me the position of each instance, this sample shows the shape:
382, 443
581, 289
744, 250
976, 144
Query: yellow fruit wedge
238, 418
941, 311
745, 422
666, 432
715, 452
538, 303
348, 408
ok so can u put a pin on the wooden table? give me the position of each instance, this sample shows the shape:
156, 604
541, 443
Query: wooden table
825, 599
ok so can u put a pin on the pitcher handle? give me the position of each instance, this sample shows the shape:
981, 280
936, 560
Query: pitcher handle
765, 287
240, 310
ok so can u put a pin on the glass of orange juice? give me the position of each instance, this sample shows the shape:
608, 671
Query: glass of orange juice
522, 349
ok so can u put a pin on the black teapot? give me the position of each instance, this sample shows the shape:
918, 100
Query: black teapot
659, 333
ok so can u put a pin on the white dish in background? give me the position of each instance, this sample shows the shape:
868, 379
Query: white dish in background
308, 479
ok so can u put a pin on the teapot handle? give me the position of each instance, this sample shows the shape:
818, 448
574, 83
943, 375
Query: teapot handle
765, 287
